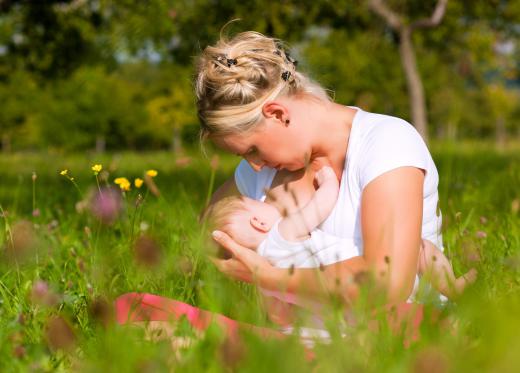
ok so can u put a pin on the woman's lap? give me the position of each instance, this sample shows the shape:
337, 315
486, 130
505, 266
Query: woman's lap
142, 307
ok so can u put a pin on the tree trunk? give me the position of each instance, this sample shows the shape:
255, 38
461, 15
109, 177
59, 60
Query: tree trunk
413, 82
176, 145
500, 133
100, 144
6, 143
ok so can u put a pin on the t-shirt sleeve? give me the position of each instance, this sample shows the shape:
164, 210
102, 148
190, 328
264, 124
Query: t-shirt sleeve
389, 145
253, 184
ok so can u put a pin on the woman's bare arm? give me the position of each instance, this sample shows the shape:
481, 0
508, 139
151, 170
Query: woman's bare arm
391, 220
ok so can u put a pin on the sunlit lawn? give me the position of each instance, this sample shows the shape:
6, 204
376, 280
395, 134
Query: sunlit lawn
62, 267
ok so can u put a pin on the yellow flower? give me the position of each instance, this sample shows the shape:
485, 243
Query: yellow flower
151, 173
123, 183
64, 172
138, 182
97, 168
125, 186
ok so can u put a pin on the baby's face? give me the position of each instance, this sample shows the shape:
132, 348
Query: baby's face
250, 226
264, 212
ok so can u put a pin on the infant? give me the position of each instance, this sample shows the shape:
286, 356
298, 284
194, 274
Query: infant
294, 240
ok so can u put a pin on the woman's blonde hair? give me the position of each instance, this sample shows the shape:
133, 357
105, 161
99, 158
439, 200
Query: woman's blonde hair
236, 77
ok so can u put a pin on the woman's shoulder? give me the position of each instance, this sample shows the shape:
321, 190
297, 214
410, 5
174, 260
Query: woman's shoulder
373, 125
385, 143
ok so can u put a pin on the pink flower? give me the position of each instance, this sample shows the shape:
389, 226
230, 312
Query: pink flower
106, 205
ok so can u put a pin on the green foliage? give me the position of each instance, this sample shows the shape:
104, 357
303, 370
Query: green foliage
342, 72
74, 74
89, 105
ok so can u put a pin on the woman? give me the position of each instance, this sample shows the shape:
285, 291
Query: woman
253, 102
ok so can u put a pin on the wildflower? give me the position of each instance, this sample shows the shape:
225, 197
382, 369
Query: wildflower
22, 242
125, 186
143, 227
97, 168
151, 173
481, 234
42, 294
138, 182
106, 205
123, 183
215, 160
64, 172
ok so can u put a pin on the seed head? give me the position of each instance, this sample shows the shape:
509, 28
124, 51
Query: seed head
147, 251
59, 334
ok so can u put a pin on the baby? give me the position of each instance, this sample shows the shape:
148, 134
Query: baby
295, 241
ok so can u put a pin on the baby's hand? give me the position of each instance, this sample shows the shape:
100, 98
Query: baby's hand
325, 174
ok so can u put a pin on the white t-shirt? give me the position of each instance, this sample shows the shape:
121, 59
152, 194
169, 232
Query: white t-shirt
320, 249
377, 144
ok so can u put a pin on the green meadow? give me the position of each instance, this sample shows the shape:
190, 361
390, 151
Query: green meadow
63, 263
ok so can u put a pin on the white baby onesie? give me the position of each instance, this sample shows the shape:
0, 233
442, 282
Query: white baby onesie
321, 248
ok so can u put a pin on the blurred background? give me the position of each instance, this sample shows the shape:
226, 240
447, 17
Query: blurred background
106, 75
97, 92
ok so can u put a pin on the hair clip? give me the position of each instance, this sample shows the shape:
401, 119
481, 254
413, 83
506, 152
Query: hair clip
290, 59
231, 61
286, 75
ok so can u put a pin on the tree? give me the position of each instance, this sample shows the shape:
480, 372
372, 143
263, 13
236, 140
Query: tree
169, 114
18, 96
399, 24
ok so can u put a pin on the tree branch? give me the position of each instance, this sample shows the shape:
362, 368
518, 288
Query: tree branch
393, 19
436, 17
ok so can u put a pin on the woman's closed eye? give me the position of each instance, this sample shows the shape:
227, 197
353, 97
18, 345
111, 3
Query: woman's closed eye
252, 150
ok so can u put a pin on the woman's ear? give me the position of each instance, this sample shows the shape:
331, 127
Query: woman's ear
274, 110
259, 224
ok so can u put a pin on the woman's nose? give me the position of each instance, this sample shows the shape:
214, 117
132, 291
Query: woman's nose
255, 164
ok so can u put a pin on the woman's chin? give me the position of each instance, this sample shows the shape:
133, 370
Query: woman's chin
293, 168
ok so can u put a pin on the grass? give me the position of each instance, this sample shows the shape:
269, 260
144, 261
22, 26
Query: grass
77, 266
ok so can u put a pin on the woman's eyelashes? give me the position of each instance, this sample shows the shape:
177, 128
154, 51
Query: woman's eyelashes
252, 150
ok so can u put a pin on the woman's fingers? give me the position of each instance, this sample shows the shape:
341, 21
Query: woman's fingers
224, 240
246, 264
234, 269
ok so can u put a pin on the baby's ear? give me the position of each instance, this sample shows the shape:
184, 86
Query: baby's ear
259, 224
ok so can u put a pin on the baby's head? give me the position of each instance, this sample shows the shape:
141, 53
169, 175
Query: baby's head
246, 220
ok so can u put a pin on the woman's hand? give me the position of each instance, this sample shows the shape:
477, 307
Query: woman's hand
245, 264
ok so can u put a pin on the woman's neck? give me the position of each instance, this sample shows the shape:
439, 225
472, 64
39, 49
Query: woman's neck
332, 137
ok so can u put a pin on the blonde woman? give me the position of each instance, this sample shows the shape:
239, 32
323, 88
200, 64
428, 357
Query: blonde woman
255, 103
